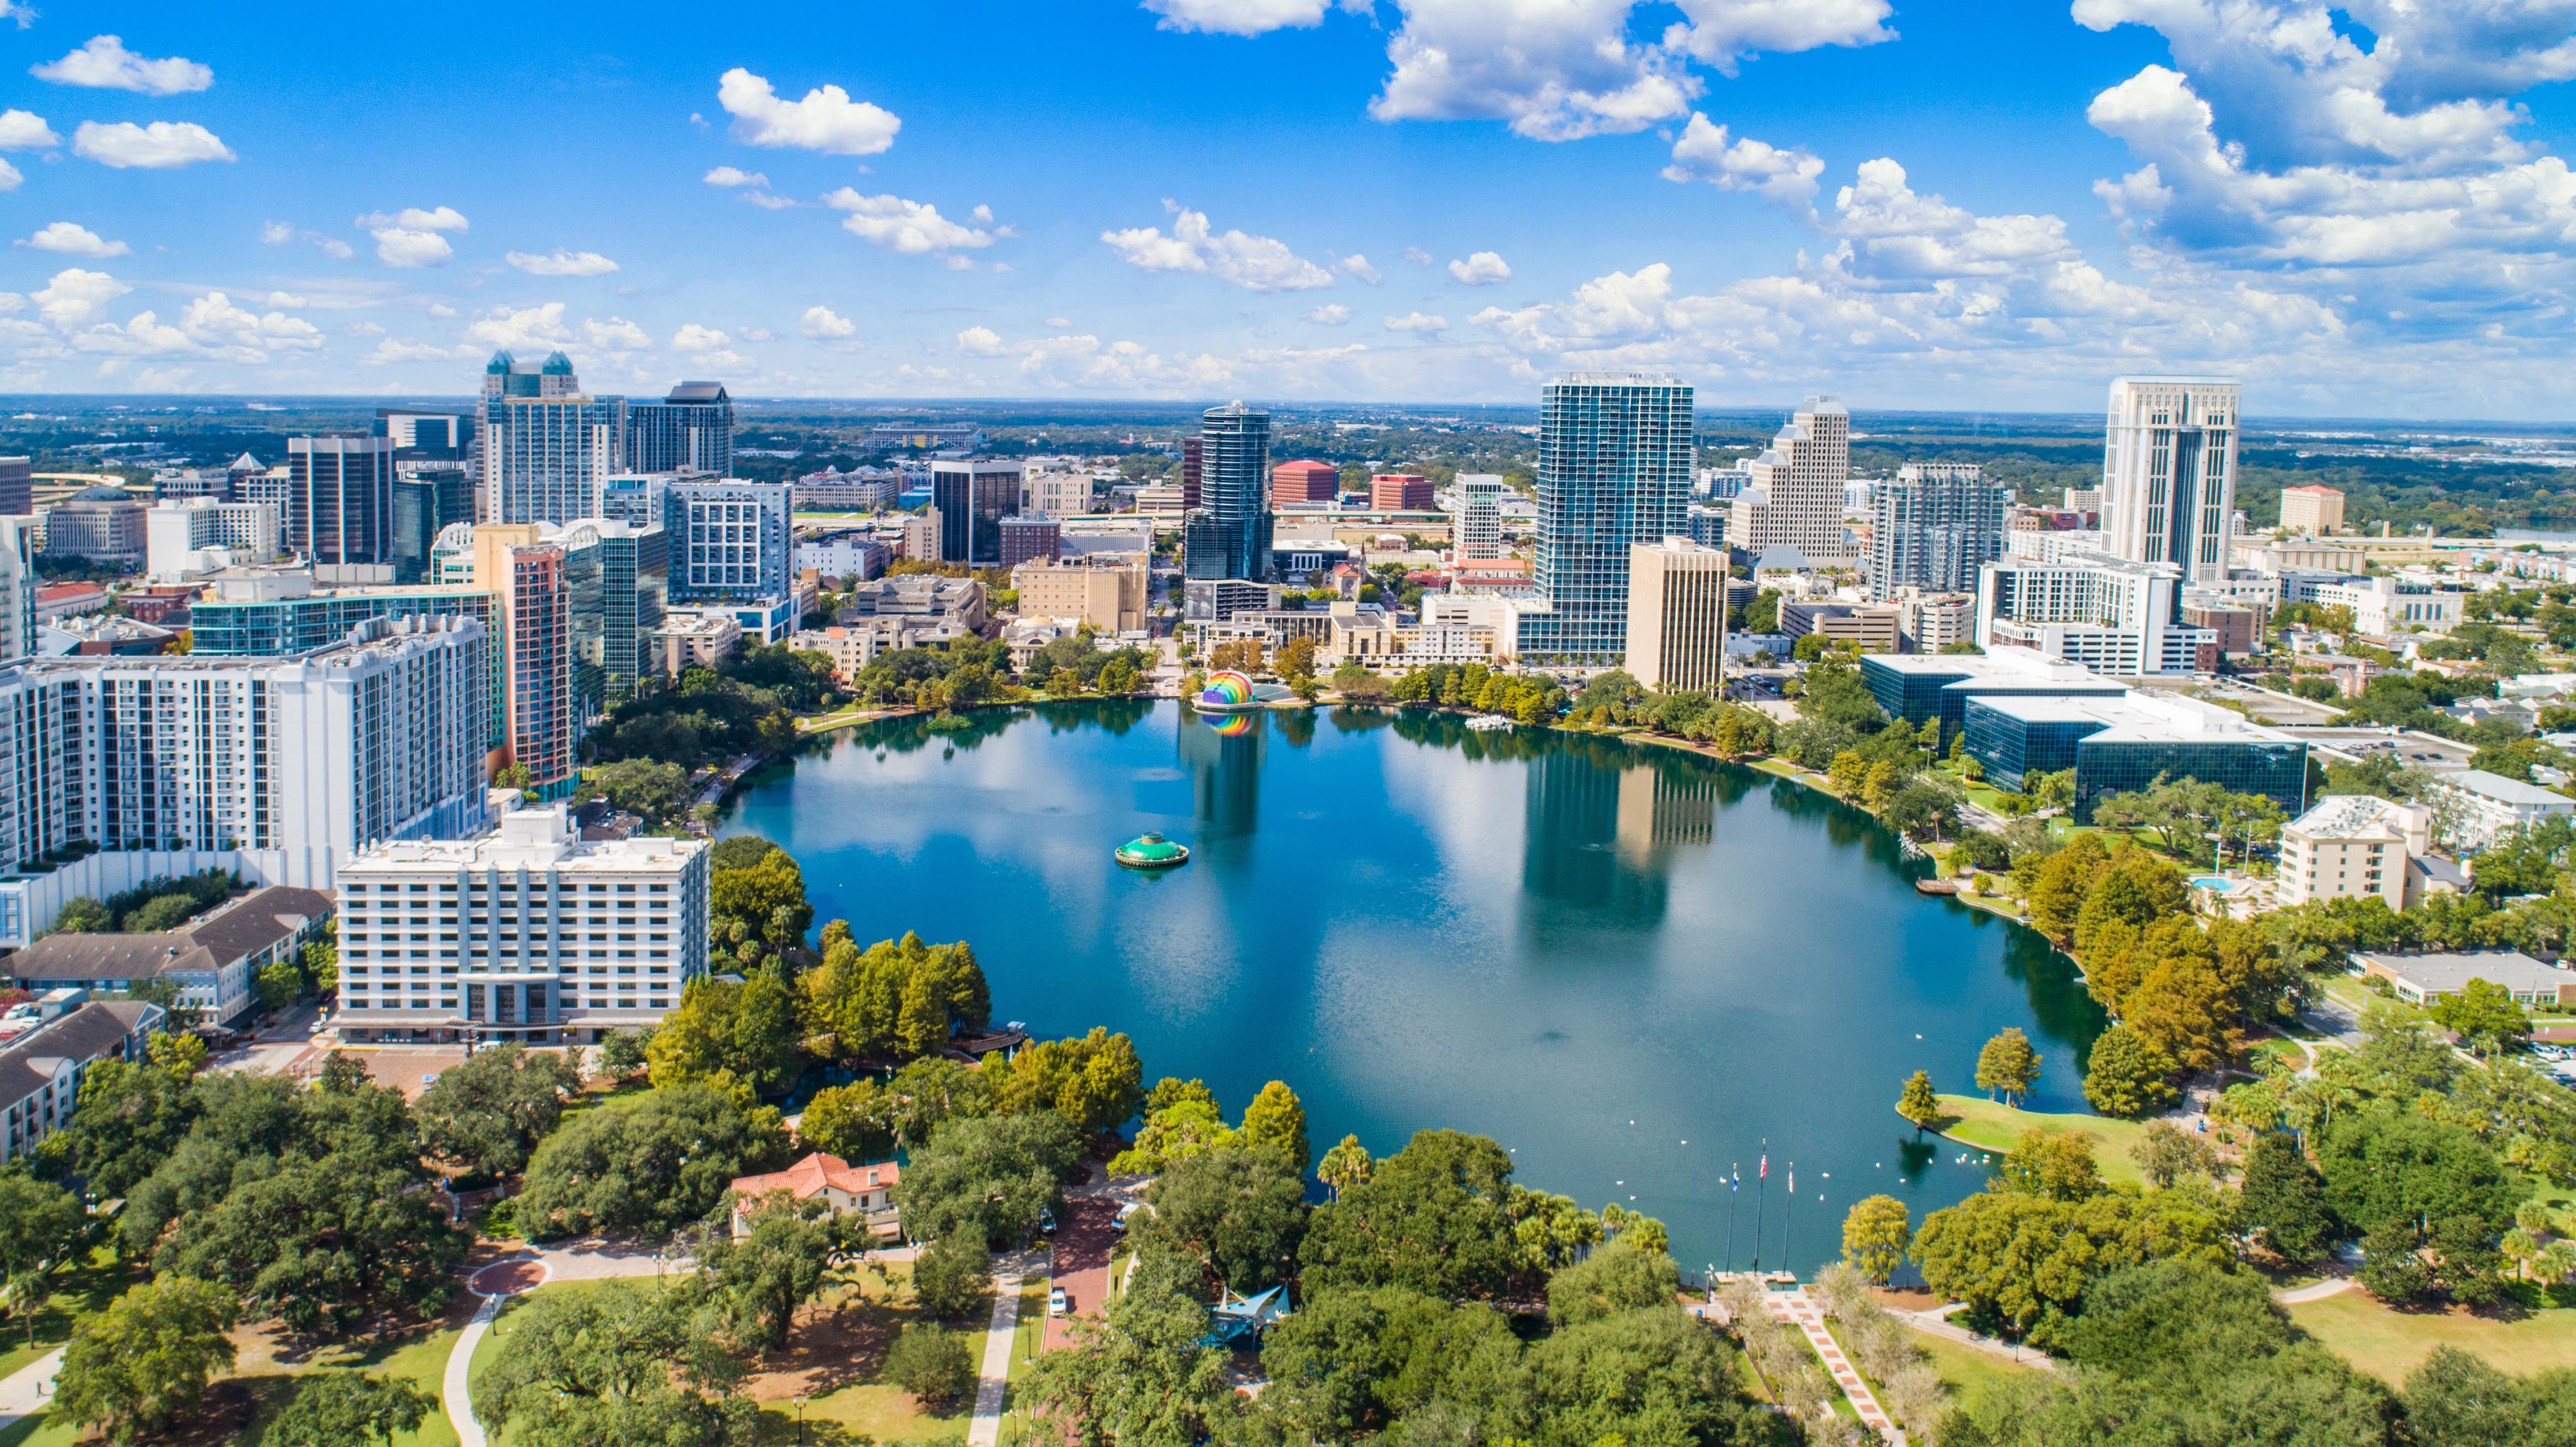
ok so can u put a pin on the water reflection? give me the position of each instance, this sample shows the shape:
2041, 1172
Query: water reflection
1224, 753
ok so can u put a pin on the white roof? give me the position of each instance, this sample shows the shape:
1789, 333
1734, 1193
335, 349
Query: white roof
2352, 816
2509, 791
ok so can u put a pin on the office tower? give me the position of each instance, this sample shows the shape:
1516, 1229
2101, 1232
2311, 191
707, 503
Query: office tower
689, 430
639, 498
1800, 479
2113, 615
2169, 473
1676, 614
17, 589
1932, 527
1030, 538
1399, 492
542, 936
425, 435
1190, 463
1228, 534
17, 486
2313, 510
972, 497
427, 497
1476, 517
339, 499
736, 540
1302, 481
1614, 468
540, 710
102, 524
200, 535
548, 449
302, 759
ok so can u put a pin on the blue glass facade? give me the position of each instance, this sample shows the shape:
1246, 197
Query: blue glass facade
2013, 749
1614, 468
288, 626
2278, 771
1227, 535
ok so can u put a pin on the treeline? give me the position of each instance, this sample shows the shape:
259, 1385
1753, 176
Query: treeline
746, 704
153, 907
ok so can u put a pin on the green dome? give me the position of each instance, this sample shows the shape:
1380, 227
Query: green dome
1151, 849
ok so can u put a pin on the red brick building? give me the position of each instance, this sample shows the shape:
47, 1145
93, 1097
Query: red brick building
1305, 481
1399, 492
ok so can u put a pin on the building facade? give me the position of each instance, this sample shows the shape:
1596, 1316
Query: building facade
2351, 846
541, 709
528, 933
1793, 491
2169, 473
1614, 470
2112, 615
2126, 744
548, 449
1676, 615
41, 1070
1105, 590
1226, 534
2314, 510
691, 430
340, 499
1932, 527
201, 535
1476, 517
1030, 537
734, 540
1302, 481
972, 496
1400, 492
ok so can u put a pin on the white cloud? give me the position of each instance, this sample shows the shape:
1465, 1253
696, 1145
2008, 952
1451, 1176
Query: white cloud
1330, 315
822, 324
1059, 323
389, 351
1484, 268
1785, 178
758, 334
514, 327
1723, 33
73, 239
1417, 256
616, 334
156, 147
275, 233
24, 131
235, 334
332, 246
1084, 362
960, 263
695, 338
24, 14
730, 176
1244, 17
106, 64
289, 300
413, 218
1358, 265
75, 296
1255, 263
979, 342
1418, 324
361, 329
826, 120
1914, 238
396, 246
911, 227
560, 262
767, 202
11, 178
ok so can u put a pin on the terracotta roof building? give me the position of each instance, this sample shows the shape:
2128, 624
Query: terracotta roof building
845, 1187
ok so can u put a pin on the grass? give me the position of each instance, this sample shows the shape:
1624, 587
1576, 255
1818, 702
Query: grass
1966, 1371
79, 1294
1989, 1126
2389, 1344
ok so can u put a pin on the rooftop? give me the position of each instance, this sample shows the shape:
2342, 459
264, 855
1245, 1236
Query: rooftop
83, 1034
235, 931
2446, 972
2006, 661
2353, 816
2137, 717
808, 1177
2508, 791
537, 839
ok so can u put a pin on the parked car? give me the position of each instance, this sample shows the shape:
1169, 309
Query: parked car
1046, 1220
1058, 1303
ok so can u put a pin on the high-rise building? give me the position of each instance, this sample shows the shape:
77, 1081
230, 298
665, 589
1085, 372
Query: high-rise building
425, 435
17, 587
1933, 526
1301, 481
200, 535
1399, 492
2169, 473
1614, 468
2314, 510
972, 497
634, 589
340, 499
1228, 534
1476, 517
736, 540
548, 449
17, 486
690, 430
1799, 481
1190, 464
427, 497
2113, 615
639, 498
540, 707
1030, 537
1676, 614
541, 935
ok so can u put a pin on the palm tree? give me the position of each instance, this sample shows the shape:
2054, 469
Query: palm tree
2557, 1261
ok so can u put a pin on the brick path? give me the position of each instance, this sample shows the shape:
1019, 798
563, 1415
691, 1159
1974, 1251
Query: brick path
1798, 1309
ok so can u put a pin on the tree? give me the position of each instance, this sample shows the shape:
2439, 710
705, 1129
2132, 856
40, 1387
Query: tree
952, 1276
278, 983
988, 1178
2485, 1014
1875, 1237
2384, 1166
897, 999
849, 1121
738, 1038
1095, 1081
1430, 1217
2008, 1064
616, 1366
2166, 1153
623, 1053
655, 1164
2058, 1164
2025, 1260
932, 1364
144, 1362
1144, 1374
757, 1280
1618, 1277
2128, 1074
2393, 1267
1277, 1118
490, 1110
2166, 1319
1240, 1210
39, 1222
1346, 1164
337, 1409
759, 911
1920, 1104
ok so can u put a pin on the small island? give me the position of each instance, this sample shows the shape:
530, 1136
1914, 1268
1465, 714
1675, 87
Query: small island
1152, 851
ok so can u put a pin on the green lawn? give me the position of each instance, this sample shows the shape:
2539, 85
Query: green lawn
1988, 1126
1966, 1371
2388, 1344
79, 1294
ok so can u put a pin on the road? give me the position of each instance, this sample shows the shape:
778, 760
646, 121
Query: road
1082, 1248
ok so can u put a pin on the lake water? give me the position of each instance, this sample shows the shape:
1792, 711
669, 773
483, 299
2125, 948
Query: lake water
1637, 968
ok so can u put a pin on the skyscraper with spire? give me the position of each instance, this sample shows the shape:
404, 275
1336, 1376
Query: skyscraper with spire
1228, 534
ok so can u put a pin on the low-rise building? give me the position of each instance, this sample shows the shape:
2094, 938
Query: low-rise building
1914, 687
2487, 805
923, 596
690, 639
41, 1069
2352, 846
2422, 978
192, 537
58, 601
1872, 627
527, 933
848, 554
842, 1188
1105, 590
2127, 743
1930, 622
214, 962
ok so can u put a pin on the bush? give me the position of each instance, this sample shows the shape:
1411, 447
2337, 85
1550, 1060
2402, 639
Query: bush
931, 1364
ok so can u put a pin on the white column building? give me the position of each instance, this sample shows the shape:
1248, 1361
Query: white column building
2169, 473
1476, 519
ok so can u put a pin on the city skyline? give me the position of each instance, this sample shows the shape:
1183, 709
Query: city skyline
2357, 211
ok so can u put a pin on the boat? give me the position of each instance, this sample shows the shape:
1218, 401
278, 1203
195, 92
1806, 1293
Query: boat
1152, 851
1936, 886
1485, 723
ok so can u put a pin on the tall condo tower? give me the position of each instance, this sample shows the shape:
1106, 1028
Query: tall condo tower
547, 448
1476, 516
1614, 468
1802, 475
2169, 473
1228, 534
1934, 525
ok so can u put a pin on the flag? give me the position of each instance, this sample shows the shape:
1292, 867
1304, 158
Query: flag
1793, 1178
1763, 1172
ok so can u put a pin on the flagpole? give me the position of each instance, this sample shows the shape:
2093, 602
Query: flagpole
1761, 1190
1734, 1183
1786, 1203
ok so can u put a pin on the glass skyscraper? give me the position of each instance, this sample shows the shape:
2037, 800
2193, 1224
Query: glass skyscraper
548, 449
690, 429
1227, 535
1614, 468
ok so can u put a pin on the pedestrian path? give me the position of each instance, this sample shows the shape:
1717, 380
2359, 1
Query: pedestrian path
29, 1390
2331, 1286
1935, 1323
1800, 1310
986, 1428
456, 1389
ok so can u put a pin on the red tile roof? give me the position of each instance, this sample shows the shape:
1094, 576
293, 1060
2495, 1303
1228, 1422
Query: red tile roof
808, 1177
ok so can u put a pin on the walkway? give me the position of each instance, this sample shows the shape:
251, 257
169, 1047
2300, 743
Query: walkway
1934, 1323
456, 1389
29, 1390
1798, 1309
2332, 1286
516, 1275
992, 1383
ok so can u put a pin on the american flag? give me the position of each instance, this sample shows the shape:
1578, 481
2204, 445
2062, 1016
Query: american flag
1763, 1172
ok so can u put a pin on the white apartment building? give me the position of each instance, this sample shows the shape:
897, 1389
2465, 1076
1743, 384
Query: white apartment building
2111, 615
2352, 846
732, 540
1930, 622
2383, 607
2488, 805
41, 1067
1800, 478
17, 586
528, 933
191, 537
1055, 493
2169, 473
1476, 517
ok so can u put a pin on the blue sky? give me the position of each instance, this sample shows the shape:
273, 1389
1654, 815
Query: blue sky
2361, 211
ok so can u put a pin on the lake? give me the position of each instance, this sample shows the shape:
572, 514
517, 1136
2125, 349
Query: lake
1639, 969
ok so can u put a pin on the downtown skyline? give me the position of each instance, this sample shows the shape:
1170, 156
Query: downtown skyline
2358, 212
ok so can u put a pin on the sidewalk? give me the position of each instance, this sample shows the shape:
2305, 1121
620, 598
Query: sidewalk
1933, 1323
992, 1382
1798, 1309
29, 1389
